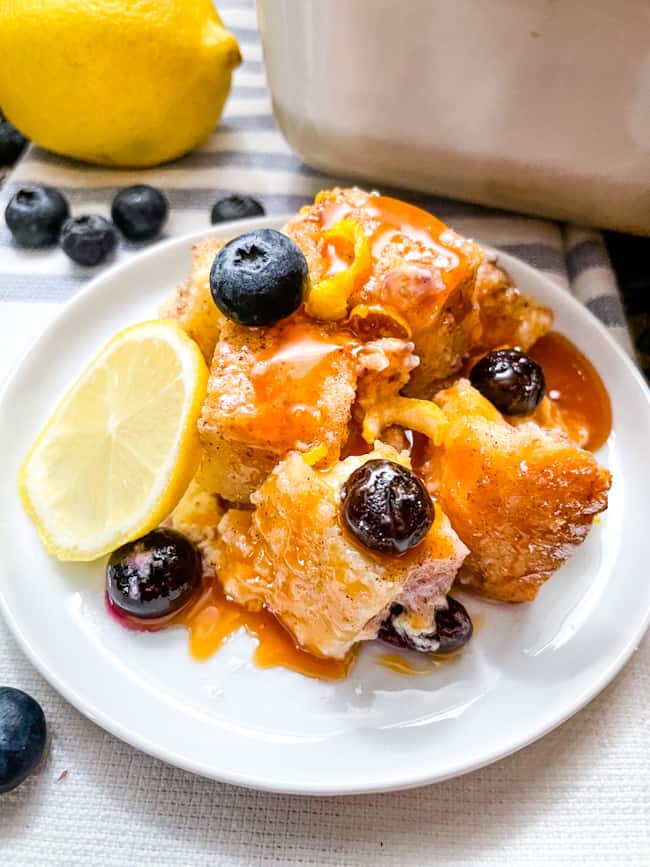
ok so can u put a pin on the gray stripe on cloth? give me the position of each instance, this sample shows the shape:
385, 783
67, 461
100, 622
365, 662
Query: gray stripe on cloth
585, 255
248, 91
244, 34
183, 198
39, 287
607, 308
252, 65
541, 256
180, 198
253, 121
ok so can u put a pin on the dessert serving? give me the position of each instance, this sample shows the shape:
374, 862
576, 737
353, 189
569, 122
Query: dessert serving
329, 432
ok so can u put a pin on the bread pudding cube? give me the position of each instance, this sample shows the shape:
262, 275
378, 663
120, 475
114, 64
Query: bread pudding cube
292, 556
272, 390
508, 316
191, 303
520, 498
420, 270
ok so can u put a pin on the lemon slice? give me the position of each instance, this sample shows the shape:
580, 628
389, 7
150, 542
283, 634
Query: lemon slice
122, 445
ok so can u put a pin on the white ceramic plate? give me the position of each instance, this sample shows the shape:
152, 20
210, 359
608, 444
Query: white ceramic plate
529, 667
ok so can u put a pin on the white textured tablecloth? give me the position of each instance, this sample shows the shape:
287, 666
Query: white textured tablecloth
579, 796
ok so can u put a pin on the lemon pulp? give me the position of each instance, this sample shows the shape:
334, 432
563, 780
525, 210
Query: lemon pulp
122, 445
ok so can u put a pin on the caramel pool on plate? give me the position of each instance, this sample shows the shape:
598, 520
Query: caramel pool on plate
213, 617
574, 385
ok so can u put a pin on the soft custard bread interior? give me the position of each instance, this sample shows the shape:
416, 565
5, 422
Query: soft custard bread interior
508, 316
292, 555
520, 498
288, 387
197, 516
191, 304
272, 390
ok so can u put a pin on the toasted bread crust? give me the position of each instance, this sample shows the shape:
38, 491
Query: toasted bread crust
292, 555
520, 498
508, 316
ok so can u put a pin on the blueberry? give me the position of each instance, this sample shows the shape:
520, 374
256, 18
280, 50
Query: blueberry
12, 143
453, 626
35, 214
510, 380
386, 507
235, 207
452, 629
153, 576
259, 278
139, 212
88, 240
22, 736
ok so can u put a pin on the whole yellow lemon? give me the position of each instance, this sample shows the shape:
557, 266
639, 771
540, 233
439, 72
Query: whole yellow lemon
115, 82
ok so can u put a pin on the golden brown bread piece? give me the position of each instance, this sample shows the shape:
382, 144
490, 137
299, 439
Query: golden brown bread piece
272, 390
421, 269
520, 498
191, 303
292, 556
508, 317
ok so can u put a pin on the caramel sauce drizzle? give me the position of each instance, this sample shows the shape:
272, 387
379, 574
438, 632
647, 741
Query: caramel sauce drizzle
398, 218
394, 220
298, 354
575, 387
211, 618
214, 617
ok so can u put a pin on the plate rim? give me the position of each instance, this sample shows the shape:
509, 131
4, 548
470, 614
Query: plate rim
103, 717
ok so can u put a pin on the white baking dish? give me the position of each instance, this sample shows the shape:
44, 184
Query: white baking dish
537, 105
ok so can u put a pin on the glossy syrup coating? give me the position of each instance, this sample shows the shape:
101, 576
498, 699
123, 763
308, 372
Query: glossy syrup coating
452, 629
259, 278
574, 385
510, 380
386, 507
154, 576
